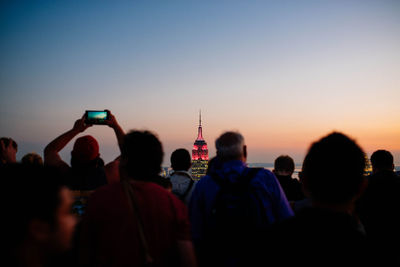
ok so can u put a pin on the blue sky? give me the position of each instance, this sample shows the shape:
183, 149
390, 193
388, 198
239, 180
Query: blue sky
283, 73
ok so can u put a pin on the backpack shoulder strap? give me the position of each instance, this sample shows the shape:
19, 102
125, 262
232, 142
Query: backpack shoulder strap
183, 196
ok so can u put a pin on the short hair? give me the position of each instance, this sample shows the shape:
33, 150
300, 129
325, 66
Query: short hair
333, 169
181, 160
32, 158
284, 163
33, 192
229, 146
143, 154
382, 160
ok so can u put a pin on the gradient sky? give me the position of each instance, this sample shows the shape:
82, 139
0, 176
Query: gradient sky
283, 73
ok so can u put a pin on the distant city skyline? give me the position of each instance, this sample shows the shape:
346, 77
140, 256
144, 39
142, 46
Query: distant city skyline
283, 73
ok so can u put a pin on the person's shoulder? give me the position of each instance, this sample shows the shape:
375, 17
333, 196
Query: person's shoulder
384, 179
263, 172
180, 175
204, 184
295, 182
265, 175
204, 180
109, 190
160, 194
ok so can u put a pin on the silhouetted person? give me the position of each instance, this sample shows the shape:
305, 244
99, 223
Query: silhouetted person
87, 171
231, 203
8, 151
283, 170
327, 234
32, 159
181, 180
379, 209
37, 223
136, 221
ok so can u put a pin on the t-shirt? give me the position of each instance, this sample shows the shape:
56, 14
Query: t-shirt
110, 234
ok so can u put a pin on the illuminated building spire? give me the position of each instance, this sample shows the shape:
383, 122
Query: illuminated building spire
200, 130
199, 154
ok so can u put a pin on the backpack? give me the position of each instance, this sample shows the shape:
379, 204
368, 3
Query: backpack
238, 210
237, 216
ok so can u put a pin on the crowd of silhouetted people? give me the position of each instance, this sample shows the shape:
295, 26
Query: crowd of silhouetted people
123, 213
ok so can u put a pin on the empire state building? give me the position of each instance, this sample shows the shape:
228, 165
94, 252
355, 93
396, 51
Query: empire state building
199, 154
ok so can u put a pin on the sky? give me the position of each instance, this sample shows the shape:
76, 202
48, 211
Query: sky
282, 73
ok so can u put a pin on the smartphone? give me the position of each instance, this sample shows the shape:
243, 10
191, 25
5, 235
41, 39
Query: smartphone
96, 116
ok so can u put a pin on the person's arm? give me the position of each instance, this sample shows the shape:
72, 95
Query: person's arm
112, 171
112, 168
51, 156
119, 133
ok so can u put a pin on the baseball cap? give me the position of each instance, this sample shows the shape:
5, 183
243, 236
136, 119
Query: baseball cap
85, 149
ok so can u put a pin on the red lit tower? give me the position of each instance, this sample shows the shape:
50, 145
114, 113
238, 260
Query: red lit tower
199, 154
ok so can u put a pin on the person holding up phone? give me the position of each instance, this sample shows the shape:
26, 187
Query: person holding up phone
87, 170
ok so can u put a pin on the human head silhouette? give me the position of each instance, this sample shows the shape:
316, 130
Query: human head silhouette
333, 169
40, 216
382, 160
284, 165
141, 155
181, 160
231, 146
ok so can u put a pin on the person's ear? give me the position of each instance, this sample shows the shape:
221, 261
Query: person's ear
245, 151
39, 230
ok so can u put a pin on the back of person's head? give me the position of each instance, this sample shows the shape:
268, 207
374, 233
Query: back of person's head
333, 169
34, 197
284, 164
382, 160
141, 155
8, 142
32, 159
181, 160
86, 148
85, 152
230, 146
